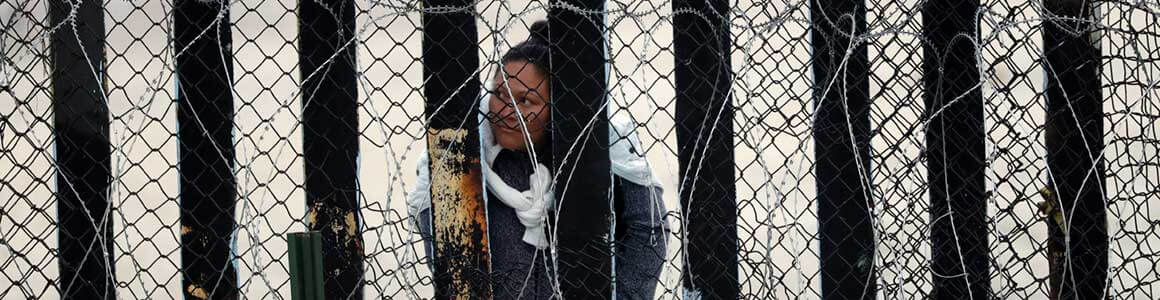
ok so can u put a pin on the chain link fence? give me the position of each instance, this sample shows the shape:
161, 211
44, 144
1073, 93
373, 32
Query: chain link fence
773, 85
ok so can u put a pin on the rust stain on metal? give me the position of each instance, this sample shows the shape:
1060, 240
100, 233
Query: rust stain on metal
460, 220
352, 233
335, 226
350, 226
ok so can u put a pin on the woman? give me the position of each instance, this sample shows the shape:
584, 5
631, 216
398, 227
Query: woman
516, 149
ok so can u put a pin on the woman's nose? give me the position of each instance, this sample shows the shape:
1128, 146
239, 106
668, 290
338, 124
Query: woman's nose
505, 111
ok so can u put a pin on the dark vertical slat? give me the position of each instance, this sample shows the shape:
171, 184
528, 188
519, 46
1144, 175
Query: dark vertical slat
580, 148
330, 139
1077, 247
704, 117
955, 153
205, 113
81, 126
450, 61
842, 146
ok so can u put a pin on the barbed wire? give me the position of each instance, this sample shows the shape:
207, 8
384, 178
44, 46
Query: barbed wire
774, 108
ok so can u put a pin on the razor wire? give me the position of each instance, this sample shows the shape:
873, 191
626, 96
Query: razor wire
772, 94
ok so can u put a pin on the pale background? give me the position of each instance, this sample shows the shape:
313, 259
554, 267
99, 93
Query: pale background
774, 150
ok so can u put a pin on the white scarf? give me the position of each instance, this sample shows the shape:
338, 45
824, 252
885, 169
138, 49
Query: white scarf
532, 206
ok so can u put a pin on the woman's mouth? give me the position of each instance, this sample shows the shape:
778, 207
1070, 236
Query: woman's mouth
509, 126
504, 129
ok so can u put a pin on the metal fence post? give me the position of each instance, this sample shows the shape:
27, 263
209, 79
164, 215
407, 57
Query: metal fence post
81, 126
580, 148
842, 149
450, 64
205, 115
330, 139
305, 253
1078, 246
704, 118
955, 154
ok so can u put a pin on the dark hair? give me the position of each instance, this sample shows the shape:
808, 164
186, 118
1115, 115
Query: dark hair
534, 50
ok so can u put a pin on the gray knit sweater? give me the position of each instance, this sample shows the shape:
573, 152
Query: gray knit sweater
640, 250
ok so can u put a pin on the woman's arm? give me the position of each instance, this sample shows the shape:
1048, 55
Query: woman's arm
423, 224
640, 249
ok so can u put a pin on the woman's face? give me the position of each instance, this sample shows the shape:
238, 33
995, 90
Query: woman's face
525, 88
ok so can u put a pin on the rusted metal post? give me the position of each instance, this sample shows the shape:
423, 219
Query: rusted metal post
330, 139
1077, 244
459, 220
704, 118
842, 147
580, 148
205, 115
955, 153
81, 128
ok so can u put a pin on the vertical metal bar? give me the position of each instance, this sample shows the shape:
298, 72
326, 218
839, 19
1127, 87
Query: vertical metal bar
330, 139
704, 118
1077, 247
580, 148
955, 153
294, 247
842, 147
312, 245
81, 125
205, 114
450, 63
306, 278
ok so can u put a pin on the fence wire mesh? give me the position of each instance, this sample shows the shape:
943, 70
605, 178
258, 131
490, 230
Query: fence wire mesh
773, 103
